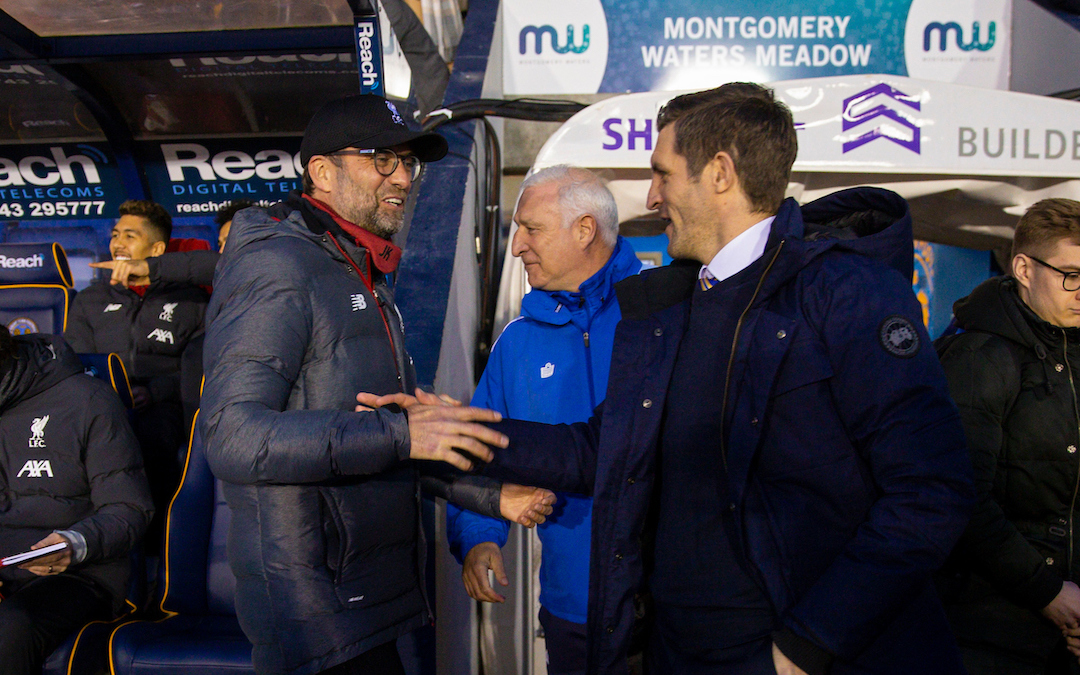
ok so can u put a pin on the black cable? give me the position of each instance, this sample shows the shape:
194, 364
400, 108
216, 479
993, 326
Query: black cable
523, 109
1070, 94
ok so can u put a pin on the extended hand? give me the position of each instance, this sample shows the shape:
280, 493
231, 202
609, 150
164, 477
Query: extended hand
440, 427
452, 434
525, 505
1064, 609
126, 273
50, 564
1072, 641
784, 665
370, 401
474, 572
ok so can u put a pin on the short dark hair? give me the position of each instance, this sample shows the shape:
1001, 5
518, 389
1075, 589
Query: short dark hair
1044, 224
226, 213
158, 219
744, 120
7, 346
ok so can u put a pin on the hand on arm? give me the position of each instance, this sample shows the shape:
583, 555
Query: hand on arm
50, 564
474, 572
441, 430
525, 505
126, 273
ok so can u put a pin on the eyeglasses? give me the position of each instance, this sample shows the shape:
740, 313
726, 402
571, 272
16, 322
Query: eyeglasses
1070, 280
386, 161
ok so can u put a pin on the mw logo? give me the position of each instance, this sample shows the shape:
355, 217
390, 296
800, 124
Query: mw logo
538, 33
943, 30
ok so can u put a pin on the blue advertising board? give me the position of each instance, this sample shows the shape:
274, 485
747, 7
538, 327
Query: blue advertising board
66, 181
196, 178
590, 46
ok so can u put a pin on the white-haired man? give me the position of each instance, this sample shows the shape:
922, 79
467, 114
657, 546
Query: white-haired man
551, 365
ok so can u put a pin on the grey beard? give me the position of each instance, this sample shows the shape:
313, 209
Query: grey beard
385, 226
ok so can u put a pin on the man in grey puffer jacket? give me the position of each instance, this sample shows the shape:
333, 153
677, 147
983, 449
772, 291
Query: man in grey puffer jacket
324, 535
70, 472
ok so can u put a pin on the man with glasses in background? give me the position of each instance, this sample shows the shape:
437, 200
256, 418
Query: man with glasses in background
1014, 371
324, 539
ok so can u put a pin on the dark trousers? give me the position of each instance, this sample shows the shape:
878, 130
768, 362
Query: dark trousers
566, 644
39, 615
382, 660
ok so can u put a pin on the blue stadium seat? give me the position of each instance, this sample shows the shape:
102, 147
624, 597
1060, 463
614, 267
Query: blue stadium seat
86, 651
200, 633
36, 288
110, 368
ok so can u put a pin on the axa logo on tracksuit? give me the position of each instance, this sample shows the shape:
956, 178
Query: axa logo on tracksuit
161, 335
112, 307
857, 112
36, 468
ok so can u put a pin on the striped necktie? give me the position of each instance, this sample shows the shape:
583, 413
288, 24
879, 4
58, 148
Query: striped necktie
706, 279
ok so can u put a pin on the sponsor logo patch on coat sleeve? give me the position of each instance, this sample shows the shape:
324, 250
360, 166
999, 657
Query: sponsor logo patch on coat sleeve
899, 337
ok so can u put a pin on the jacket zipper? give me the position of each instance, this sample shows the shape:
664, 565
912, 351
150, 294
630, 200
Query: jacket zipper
378, 303
731, 358
136, 330
1076, 484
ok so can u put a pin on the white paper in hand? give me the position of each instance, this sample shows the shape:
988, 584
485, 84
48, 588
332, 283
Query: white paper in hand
20, 558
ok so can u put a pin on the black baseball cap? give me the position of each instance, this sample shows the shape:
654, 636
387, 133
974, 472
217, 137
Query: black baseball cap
365, 121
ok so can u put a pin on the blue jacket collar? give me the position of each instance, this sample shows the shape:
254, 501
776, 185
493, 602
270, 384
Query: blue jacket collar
559, 308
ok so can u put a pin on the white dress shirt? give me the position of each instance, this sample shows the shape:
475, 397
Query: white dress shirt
739, 252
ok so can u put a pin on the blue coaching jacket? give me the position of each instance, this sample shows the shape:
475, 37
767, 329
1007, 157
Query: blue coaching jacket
551, 365
845, 457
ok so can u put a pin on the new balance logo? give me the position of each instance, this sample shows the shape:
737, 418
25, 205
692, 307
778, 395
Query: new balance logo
167, 311
37, 434
358, 302
161, 335
113, 307
35, 467
547, 371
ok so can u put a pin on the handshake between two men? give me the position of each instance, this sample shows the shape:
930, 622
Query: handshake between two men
442, 429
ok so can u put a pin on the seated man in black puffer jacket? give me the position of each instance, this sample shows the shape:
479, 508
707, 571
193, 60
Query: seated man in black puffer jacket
148, 326
70, 471
1010, 587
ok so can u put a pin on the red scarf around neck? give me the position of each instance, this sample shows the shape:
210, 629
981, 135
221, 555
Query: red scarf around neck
384, 255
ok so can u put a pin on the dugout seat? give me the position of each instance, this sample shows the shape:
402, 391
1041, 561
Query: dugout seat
36, 288
199, 633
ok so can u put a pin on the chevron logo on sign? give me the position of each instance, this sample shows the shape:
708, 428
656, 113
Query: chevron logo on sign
858, 111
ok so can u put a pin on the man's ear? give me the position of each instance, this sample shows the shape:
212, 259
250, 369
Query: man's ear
1021, 270
157, 248
720, 173
585, 230
321, 172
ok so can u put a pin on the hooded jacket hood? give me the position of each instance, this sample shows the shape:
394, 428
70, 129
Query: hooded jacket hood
867, 221
40, 361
